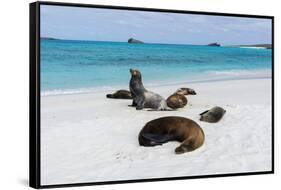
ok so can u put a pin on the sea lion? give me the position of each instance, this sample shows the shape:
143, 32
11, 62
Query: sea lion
213, 115
186, 91
176, 101
120, 94
143, 98
172, 128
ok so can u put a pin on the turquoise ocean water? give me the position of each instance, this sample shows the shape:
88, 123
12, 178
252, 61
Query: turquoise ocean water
82, 66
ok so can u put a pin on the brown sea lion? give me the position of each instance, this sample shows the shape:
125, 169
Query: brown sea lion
176, 101
186, 91
213, 115
120, 94
143, 98
173, 128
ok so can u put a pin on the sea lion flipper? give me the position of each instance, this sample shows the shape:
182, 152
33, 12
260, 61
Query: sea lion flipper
204, 112
184, 148
134, 104
157, 138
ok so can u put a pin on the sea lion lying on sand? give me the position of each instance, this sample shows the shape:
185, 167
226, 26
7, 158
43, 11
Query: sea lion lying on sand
176, 101
186, 91
162, 130
213, 115
120, 94
143, 98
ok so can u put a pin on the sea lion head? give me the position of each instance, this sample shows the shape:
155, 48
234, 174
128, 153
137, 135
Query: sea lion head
135, 73
191, 91
209, 117
186, 91
204, 117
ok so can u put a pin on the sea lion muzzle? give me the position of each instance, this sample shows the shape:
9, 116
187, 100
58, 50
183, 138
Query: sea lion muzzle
133, 72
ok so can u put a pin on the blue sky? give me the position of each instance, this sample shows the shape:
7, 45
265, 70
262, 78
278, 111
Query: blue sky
79, 23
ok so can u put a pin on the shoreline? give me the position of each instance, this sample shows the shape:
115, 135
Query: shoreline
264, 74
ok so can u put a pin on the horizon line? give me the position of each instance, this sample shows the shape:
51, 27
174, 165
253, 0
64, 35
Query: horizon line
88, 40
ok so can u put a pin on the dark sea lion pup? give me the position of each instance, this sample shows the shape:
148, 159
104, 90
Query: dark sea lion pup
120, 94
213, 115
186, 91
176, 101
143, 98
162, 130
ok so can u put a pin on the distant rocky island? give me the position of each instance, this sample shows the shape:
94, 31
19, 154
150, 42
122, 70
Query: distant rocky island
134, 41
214, 44
48, 38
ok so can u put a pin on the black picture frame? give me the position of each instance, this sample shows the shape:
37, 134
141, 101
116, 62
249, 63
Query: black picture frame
34, 93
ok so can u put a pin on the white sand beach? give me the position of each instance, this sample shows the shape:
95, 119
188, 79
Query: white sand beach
89, 138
